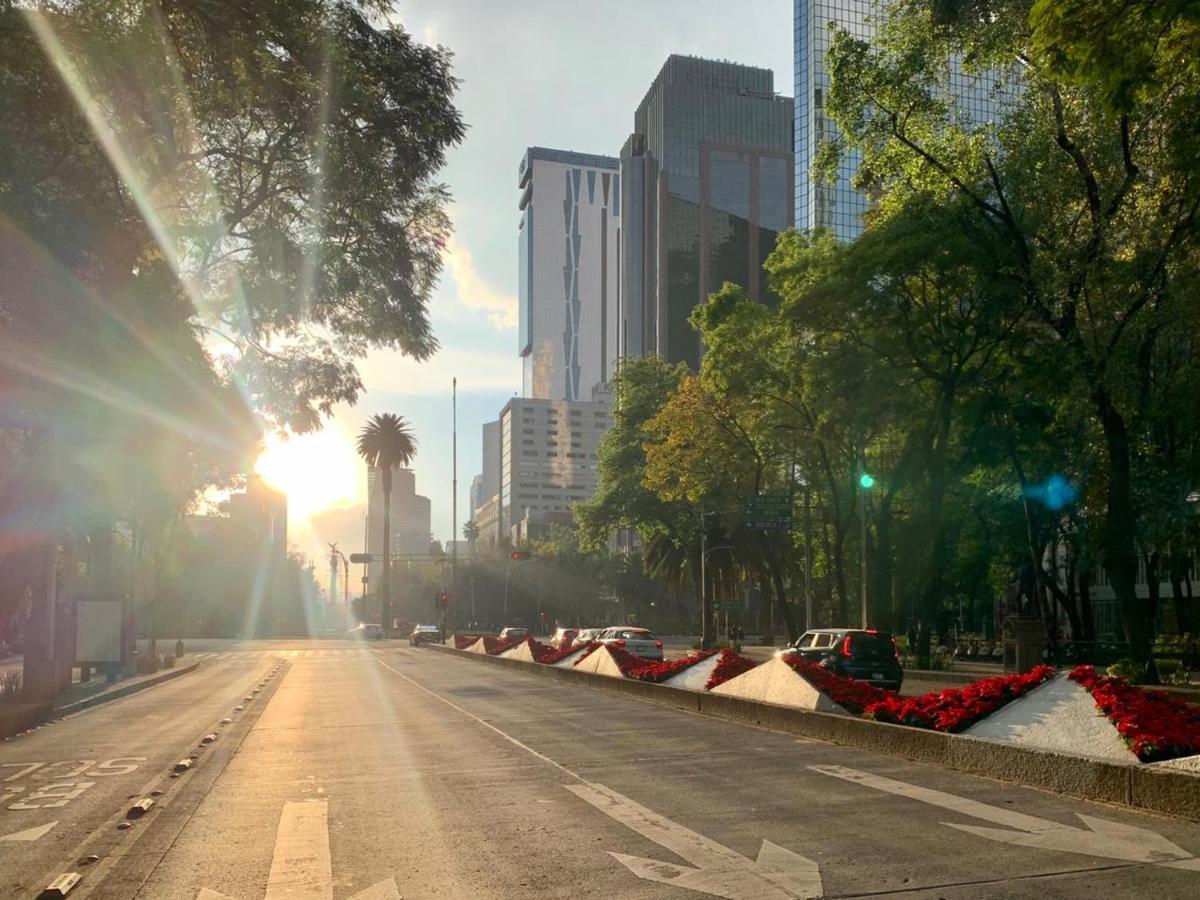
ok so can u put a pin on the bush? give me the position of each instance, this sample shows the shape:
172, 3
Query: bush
1127, 668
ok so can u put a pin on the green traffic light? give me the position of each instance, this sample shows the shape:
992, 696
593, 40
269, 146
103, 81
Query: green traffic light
866, 480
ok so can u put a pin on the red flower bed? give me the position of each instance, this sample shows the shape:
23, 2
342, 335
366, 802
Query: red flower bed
463, 641
954, 709
494, 646
1155, 725
659, 672
730, 665
851, 695
627, 662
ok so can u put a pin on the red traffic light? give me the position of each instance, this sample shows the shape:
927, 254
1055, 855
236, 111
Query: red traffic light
519, 554
443, 600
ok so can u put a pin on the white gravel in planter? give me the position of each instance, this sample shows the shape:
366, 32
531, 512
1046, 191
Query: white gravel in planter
570, 659
522, 651
601, 663
1184, 763
776, 682
695, 677
1059, 715
478, 647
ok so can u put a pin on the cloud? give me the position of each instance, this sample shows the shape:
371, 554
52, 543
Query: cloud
474, 292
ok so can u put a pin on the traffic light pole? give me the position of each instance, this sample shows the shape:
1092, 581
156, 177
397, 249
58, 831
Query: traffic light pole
862, 525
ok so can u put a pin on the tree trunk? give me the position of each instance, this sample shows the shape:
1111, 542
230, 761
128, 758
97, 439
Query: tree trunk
1177, 569
785, 609
1085, 607
1120, 548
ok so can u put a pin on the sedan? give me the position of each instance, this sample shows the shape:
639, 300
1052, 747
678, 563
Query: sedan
513, 633
425, 634
563, 637
638, 641
366, 631
864, 654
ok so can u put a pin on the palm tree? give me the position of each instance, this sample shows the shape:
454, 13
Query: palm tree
384, 443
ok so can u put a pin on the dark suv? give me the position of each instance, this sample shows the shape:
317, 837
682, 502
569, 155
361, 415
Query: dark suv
861, 653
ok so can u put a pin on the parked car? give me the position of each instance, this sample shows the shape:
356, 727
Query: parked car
864, 654
587, 635
425, 634
513, 633
638, 641
366, 631
563, 637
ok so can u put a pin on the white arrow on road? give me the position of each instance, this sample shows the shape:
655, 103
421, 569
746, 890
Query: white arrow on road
29, 834
777, 874
1102, 838
301, 868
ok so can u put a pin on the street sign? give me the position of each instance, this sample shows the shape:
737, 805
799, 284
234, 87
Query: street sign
357, 558
768, 512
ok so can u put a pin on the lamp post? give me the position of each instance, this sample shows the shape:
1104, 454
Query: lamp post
704, 552
865, 482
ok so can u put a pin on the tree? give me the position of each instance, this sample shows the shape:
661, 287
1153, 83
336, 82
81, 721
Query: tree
384, 443
1095, 205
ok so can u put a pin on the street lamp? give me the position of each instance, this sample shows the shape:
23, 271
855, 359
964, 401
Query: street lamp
866, 481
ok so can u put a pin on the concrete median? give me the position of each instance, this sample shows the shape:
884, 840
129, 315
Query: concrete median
1166, 791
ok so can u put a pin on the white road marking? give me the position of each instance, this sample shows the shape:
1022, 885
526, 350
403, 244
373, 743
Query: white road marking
301, 866
1101, 838
776, 875
29, 834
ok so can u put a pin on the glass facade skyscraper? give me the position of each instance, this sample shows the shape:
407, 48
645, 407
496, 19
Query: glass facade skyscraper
707, 175
569, 233
973, 102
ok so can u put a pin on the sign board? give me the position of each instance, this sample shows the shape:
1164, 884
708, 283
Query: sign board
98, 635
768, 512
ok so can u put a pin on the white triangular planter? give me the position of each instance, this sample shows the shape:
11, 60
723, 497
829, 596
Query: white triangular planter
1059, 715
776, 682
695, 678
600, 662
1183, 764
571, 658
478, 647
522, 651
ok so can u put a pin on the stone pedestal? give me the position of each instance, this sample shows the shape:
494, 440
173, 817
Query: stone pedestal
1024, 644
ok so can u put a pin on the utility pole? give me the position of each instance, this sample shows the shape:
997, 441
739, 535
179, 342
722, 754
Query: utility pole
452, 607
864, 484
808, 598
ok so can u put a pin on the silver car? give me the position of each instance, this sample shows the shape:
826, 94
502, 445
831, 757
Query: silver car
638, 641
587, 635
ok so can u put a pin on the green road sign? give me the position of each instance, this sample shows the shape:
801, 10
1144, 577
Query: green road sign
768, 512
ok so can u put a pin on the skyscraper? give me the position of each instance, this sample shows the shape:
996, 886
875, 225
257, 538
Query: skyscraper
975, 99
707, 176
569, 234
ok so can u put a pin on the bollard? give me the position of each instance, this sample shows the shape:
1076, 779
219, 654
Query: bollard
178, 648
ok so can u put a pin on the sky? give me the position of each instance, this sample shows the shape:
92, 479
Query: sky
534, 72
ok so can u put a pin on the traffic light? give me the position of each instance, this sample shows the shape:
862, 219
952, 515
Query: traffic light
442, 600
519, 554
866, 481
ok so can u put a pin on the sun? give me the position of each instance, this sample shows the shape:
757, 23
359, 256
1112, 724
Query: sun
317, 471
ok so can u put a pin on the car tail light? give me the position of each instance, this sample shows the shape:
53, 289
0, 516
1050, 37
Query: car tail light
846, 646
658, 644
620, 643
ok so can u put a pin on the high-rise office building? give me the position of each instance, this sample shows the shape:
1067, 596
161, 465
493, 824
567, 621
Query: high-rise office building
975, 100
547, 453
568, 239
409, 527
707, 181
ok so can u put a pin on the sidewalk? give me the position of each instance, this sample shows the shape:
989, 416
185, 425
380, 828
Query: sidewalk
21, 716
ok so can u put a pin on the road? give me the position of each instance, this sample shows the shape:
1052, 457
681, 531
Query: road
377, 772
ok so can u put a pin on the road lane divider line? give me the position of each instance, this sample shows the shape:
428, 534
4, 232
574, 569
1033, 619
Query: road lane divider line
777, 874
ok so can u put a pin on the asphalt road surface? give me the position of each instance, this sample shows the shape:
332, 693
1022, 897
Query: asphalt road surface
377, 771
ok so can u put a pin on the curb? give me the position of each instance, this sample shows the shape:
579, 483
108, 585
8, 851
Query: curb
1147, 788
122, 691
